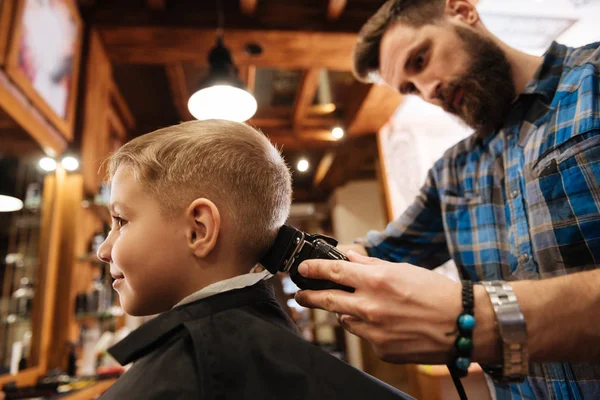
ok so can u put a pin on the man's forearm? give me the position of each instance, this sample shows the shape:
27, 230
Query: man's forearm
562, 315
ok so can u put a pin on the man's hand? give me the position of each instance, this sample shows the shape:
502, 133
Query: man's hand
402, 310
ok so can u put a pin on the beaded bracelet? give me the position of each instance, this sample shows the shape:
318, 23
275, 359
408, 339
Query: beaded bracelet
465, 324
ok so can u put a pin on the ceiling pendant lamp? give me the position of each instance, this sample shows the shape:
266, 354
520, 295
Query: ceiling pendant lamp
10, 204
222, 95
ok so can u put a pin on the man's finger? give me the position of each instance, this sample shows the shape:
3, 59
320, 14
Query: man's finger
358, 258
336, 301
342, 272
355, 325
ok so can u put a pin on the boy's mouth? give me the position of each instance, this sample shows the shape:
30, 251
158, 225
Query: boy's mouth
117, 276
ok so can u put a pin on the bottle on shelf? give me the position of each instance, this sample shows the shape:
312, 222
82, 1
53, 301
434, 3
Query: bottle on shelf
23, 298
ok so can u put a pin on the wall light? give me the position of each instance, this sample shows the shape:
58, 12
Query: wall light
47, 164
337, 132
70, 163
302, 165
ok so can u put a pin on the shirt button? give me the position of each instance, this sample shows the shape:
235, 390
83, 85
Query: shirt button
514, 194
525, 258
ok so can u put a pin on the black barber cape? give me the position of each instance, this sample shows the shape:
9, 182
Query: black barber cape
234, 345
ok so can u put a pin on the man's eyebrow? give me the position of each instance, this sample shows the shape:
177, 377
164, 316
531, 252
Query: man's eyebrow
415, 49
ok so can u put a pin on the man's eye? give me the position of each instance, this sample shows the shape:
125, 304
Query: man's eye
408, 88
419, 62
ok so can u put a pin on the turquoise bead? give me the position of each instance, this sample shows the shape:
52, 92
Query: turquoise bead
466, 322
462, 363
464, 344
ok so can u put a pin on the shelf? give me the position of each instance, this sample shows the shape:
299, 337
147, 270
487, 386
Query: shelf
90, 392
100, 210
94, 316
15, 319
114, 312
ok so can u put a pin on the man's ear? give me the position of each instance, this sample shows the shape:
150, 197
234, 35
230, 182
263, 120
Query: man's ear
463, 10
204, 226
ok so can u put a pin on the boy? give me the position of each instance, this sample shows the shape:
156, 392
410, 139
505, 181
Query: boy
194, 208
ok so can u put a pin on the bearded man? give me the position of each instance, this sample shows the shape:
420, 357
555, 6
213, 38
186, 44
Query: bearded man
516, 206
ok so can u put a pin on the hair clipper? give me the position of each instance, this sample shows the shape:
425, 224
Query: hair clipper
293, 246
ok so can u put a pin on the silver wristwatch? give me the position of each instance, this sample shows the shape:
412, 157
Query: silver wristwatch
513, 333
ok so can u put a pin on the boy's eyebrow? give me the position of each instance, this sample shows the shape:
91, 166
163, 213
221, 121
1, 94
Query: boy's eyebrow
113, 206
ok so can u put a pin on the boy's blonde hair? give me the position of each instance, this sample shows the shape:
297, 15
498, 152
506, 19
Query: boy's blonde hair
230, 163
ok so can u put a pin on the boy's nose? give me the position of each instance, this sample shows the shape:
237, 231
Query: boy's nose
103, 252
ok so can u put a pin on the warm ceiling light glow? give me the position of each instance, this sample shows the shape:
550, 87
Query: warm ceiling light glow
221, 94
70, 163
9, 203
222, 102
302, 165
337, 132
47, 164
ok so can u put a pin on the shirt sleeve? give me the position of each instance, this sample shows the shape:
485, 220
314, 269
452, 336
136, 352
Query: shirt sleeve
417, 236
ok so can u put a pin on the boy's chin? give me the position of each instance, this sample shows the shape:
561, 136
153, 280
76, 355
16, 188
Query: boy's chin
141, 308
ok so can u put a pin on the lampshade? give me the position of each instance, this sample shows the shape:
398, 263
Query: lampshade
9, 203
222, 95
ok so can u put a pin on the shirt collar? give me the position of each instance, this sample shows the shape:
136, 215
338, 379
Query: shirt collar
547, 77
237, 282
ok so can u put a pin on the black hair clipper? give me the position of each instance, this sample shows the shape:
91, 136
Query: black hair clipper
293, 246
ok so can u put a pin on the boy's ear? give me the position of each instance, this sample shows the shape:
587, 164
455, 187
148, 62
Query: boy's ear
462, 10
204, 226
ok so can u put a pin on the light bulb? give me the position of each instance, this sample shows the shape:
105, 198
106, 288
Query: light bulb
302, 165
9, 203
70, 163
337, 132
222, 102
47, 164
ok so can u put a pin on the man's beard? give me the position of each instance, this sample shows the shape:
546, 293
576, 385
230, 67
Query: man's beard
487, 86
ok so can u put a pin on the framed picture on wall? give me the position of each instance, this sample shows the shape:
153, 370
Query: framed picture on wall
44, 55
6, 12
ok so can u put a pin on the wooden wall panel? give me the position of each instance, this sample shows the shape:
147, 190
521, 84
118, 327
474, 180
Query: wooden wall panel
94, 143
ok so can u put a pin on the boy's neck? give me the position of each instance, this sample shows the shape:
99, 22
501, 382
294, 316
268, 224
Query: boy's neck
226, 283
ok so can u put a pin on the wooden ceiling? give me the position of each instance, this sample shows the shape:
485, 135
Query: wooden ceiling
301, 77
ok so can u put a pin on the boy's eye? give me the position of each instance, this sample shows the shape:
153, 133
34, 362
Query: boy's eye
119, 221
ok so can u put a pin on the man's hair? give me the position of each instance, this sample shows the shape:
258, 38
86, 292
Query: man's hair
415, 13
230, 163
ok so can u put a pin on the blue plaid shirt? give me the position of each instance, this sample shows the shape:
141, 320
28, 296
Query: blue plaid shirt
523, 203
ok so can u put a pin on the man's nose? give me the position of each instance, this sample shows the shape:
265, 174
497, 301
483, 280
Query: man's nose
430, 90
104, 251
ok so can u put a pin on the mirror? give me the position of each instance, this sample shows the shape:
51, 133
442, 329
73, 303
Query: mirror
22, 219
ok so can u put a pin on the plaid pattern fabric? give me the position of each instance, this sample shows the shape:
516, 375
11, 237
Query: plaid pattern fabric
521, 204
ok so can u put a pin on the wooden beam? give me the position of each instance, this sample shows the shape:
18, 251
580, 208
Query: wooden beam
179, 91
323, 168
358, 93
12, 144
156, 5
351, 158
281, 49
122, 107
29, 118
248, 7
376, 109
248, 76
306, 93
6, 14
295, 16
116, 124
306, 139
335, 9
